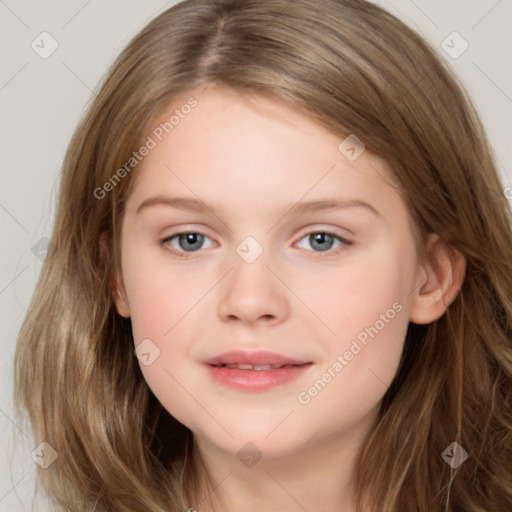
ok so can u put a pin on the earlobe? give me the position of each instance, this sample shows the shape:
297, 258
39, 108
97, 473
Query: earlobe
115, 284
118, 294
439, 282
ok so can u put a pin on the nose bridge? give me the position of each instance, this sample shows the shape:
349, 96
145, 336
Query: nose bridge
251, 290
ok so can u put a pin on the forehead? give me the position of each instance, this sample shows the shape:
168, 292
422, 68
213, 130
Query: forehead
252, 151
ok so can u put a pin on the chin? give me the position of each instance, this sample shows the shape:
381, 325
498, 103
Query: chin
264, 441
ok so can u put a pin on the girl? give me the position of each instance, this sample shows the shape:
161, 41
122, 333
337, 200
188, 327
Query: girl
280, 276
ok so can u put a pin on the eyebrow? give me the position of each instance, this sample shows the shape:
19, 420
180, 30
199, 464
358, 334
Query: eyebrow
196, 205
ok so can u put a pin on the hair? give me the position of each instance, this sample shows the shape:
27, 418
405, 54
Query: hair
353, 68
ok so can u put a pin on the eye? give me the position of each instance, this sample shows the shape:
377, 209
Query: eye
321, 241
186, 242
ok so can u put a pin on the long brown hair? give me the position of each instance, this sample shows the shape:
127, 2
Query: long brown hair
353, 68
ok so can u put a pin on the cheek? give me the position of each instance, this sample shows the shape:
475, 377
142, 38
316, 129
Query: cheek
365, 304
361, 359
165, 308
164, 324
160, 292
354, 295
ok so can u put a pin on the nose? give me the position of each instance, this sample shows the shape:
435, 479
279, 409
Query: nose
252, 294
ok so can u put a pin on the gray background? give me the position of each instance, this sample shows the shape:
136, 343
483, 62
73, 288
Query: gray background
41, 100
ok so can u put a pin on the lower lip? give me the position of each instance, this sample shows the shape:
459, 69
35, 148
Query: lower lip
256, 380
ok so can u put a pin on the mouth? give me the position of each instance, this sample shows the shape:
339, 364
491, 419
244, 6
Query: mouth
255, 371
248, 360
256, 367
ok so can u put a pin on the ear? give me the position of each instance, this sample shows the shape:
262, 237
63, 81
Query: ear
118, 294
439, 281
115, 283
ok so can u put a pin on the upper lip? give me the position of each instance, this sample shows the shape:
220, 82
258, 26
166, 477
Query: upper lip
253, 358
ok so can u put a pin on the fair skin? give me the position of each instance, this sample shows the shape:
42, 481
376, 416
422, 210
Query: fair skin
249, 161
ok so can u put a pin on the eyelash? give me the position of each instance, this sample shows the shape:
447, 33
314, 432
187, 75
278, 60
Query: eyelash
184, 254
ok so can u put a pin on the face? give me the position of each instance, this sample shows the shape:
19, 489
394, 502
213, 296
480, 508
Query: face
292, 247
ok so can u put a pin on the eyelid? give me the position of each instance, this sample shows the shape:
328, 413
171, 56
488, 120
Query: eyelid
318, 228
185, 230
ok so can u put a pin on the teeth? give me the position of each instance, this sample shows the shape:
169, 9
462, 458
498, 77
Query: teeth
245, 367
257, 367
